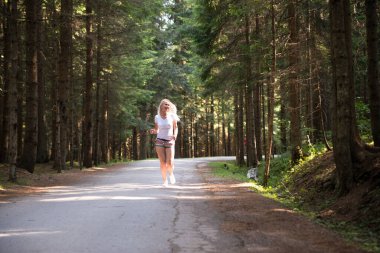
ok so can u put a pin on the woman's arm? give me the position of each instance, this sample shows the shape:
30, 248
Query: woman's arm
154, 130
175, 129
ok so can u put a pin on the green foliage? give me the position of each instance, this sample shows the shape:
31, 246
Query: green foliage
363, 120
279, 167
230, 170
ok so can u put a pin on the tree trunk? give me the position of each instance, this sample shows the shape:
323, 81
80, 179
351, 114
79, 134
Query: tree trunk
20, 101
257, 98
2, 66
212, 127
373, 68
250, 130
343, 109
239, 129
224, 134
283, 118
64, 77
134, 145
96, 152
12, 92
271, 84
294, 87
104, 126
42, 146
6, 69
309, 87
54, 84
143, 133
87, 99
28, 158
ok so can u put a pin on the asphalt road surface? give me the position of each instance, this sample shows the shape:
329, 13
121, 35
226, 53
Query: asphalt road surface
126, 211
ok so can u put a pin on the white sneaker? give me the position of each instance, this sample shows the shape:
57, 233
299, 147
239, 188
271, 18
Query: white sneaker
172, 179
165, 184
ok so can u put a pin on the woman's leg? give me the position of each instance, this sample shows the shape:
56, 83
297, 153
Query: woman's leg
170, 162
163, 163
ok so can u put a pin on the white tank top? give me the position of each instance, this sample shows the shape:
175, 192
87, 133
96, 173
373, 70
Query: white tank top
165, 126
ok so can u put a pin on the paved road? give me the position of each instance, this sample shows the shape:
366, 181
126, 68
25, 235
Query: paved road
126, 211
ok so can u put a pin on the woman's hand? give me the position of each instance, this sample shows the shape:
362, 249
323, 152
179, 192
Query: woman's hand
153, 131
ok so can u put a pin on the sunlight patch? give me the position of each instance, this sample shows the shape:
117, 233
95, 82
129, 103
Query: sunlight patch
97, 198
22, 233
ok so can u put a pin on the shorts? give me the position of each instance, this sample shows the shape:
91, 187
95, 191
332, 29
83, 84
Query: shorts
163, 143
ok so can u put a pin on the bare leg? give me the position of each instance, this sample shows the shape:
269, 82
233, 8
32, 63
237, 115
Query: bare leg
170, 159
163, 163
170, 163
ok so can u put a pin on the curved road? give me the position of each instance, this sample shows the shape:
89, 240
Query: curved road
126, 210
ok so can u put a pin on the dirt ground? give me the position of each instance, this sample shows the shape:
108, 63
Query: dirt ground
261, 224
264, 225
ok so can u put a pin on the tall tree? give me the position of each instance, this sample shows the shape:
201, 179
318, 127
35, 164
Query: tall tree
268, 152
5, 95
28, 158
104, 125
256, 93
96, 151
63, 77
249, 107
373, 68
294, 87
87, 96
42, 141
345, 135
12, 130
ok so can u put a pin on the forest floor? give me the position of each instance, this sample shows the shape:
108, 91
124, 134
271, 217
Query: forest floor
243, 215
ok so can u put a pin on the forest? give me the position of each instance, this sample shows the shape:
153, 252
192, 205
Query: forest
80, 81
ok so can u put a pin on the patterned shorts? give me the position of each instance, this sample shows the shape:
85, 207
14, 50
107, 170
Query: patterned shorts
163, 143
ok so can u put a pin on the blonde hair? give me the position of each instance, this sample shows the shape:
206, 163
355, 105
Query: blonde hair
172, 108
